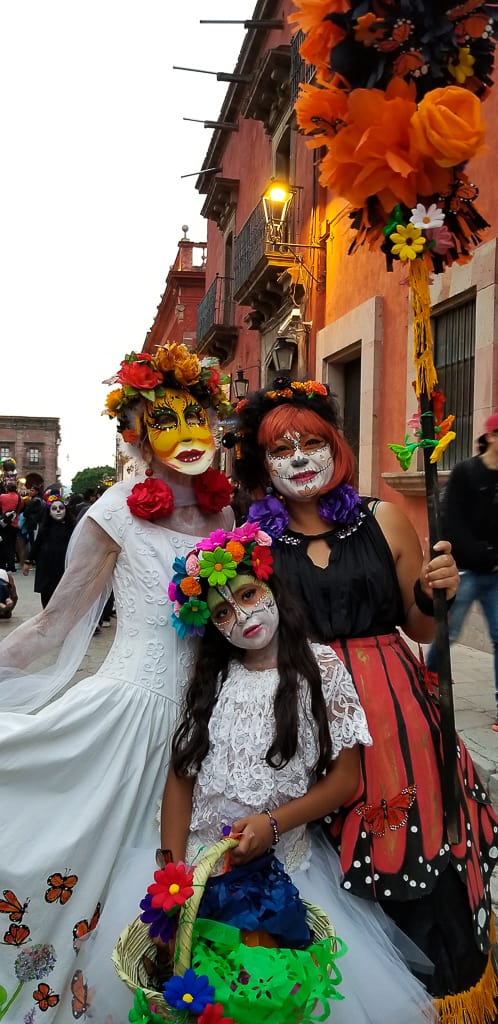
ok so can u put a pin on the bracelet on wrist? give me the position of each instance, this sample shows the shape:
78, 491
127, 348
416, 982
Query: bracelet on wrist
426, 604
274, 825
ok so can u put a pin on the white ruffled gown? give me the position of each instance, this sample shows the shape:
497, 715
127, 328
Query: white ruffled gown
234, 779
82, 778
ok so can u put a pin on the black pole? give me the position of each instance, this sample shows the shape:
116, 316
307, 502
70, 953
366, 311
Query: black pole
441, 638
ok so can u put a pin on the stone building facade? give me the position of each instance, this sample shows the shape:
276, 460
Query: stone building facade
33, 441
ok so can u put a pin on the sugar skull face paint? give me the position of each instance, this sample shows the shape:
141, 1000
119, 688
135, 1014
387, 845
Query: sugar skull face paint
245, 612
57, 510
300, 465
179, 432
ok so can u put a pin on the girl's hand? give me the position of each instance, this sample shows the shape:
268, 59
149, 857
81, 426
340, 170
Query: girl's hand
441, 572
256, 837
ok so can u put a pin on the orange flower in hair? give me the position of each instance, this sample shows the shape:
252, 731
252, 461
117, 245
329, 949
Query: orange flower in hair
236, 550
190, 586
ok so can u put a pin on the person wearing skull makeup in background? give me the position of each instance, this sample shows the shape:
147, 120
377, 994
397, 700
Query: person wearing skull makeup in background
48, 551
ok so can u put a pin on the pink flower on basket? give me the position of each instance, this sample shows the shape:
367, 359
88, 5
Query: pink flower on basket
172, 886
213, 1014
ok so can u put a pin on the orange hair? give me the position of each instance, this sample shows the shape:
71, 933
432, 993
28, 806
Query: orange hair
289, 419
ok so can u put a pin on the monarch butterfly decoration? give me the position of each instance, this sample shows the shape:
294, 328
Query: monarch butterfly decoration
60, 888
84, 928
391, 814
45, 998
16, 935
80, 996
12, 906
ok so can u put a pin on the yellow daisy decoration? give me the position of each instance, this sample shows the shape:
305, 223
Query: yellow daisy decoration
113, 401
408, 242
464, 68
442, 446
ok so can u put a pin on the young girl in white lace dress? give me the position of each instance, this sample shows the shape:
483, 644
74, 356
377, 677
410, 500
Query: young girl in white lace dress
268, 742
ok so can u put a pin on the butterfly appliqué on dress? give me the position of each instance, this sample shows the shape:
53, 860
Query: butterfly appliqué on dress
391, 814
60, 887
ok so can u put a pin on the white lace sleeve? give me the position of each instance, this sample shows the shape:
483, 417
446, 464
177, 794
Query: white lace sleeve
347, 719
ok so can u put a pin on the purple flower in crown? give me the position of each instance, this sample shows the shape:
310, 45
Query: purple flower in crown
271, 515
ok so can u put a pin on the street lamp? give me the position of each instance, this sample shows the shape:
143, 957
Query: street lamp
283, 354
276, 203
240, 385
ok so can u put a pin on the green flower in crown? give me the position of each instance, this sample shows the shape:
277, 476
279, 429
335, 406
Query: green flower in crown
217, 566
194, 613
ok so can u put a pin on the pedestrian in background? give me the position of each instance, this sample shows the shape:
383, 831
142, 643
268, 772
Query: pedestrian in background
10, 507
49, 549
470, 522
8, 594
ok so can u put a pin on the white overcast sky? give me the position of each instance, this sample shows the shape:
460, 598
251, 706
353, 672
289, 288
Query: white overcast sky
93, 146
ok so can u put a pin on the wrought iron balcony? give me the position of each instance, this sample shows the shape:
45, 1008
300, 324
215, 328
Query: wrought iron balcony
216, 328
300, 71
259, 262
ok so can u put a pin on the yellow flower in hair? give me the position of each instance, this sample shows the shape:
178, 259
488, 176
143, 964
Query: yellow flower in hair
408, 242
442, 446
178, 359
297, 385
113, 401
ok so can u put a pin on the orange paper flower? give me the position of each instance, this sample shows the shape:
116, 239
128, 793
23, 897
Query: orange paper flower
321, 111
375, 155
448, 126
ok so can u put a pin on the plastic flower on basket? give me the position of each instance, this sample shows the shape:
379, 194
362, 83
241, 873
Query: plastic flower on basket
141, 1012
161, 924
190, 992
214, 1014
171, 888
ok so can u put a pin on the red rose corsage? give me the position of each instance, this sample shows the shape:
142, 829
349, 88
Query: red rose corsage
212, 491
151, 500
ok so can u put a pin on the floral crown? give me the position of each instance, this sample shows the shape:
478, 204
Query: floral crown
292, 390
146, 375
215, 560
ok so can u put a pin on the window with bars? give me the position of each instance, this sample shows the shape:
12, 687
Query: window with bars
33, 456
4, 452
454, 333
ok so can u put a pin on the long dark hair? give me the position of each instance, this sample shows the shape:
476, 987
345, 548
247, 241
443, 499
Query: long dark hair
295, 661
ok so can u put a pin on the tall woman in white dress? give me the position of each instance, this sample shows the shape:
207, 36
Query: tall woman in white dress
81, 773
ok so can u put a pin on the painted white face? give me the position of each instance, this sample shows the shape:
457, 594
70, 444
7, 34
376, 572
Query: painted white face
245, 612
57, 511
300, 465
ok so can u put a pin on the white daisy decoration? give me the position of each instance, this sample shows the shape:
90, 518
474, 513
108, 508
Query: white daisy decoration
427, 217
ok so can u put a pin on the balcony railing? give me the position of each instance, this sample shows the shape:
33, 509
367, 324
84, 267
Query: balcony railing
216, 308
253, 244
300, 71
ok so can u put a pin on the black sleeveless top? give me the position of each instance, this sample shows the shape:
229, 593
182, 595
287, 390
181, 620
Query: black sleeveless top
357, 594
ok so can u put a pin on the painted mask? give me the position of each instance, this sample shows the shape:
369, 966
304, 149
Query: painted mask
179, 432
300, 465
57, 510
245, 612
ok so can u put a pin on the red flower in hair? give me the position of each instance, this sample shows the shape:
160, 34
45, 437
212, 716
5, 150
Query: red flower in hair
151, 500
262, 562
212, 491
139, 375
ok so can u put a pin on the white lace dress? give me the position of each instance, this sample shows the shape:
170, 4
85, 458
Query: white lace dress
235, 779
81, 779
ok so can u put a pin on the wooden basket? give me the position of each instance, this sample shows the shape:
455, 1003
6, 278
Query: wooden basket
134, 942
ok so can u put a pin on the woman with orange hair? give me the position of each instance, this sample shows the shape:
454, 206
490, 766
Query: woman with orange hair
357, 567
